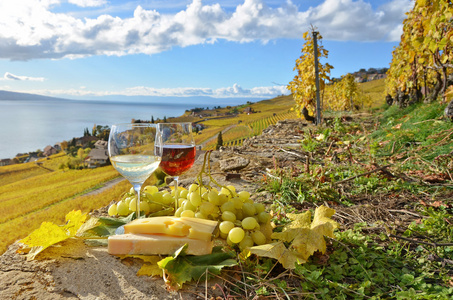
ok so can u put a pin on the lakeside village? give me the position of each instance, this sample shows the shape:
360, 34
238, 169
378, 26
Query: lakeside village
90, 150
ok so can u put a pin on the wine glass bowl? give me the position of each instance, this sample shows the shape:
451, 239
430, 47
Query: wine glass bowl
178, 150
135, 151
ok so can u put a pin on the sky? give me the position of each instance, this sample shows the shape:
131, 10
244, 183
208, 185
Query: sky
84, 49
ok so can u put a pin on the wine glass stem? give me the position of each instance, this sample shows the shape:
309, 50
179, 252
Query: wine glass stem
176, 180
137, 188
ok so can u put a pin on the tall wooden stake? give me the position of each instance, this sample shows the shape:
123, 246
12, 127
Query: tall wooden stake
318, 101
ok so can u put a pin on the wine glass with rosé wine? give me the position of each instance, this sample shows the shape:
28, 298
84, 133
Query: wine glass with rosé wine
178, 151
135, 151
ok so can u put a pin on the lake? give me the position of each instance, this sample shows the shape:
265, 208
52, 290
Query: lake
29, 125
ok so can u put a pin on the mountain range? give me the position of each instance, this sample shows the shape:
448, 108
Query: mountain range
6, 95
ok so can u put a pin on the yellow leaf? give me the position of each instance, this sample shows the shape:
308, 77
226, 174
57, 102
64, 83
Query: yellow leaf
49, 233
323, 215
278, 251
150, 266
74, 220
306, 236
45, 236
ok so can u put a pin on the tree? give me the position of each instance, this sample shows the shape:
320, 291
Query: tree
219, 141
86, 132
81, 153
303, 86
152, 119
425, 53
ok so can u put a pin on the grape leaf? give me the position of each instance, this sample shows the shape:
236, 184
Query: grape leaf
49, 233
181, 268
288, 258
107, 226
303, 235
149, 267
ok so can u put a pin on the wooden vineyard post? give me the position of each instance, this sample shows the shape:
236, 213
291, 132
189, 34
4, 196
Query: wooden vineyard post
318, 101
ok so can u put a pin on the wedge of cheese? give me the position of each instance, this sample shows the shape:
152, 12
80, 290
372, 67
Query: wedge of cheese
148, 244
192, 228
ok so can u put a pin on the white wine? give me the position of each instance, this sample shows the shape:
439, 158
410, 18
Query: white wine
135, 168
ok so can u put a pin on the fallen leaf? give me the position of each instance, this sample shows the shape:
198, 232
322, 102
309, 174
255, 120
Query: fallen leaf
304, 235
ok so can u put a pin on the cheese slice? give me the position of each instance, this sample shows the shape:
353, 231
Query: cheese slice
193, 228
148, 244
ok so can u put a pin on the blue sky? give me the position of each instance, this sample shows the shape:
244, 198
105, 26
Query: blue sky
233, 48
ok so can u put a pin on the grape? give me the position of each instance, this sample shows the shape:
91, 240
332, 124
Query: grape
158, 197
222, 198
229, 242
226, 192
227, 206
112, 210
195, 199
129, 199
188, 214
187, 205
200, 215
145, 207
122, 208
226, 226
231, 188
203, 190
228, 216
213, 197
236, 235
207, 208
249, 200
167, 199
150, 189
243, 195
183, 193
259, 207
246, 242
179, 211
258, 237
133, 204
264, 217
239, 214
193, 187
237, 202
249, 223
248, 209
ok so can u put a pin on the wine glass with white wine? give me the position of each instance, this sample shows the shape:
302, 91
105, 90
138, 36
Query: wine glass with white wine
135, 151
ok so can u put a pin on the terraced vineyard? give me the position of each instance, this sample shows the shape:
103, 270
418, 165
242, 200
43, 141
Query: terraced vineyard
31, 193
236, 135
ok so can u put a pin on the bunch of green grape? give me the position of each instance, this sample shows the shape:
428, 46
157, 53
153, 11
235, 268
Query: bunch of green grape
240, 218
152, 201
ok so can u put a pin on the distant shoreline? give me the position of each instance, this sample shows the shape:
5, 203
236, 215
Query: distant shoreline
137, 108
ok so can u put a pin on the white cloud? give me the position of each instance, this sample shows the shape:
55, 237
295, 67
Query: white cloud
88, 3
9, 76
29, 29
225, 92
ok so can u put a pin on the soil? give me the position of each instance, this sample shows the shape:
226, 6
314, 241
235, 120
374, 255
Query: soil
73, 270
